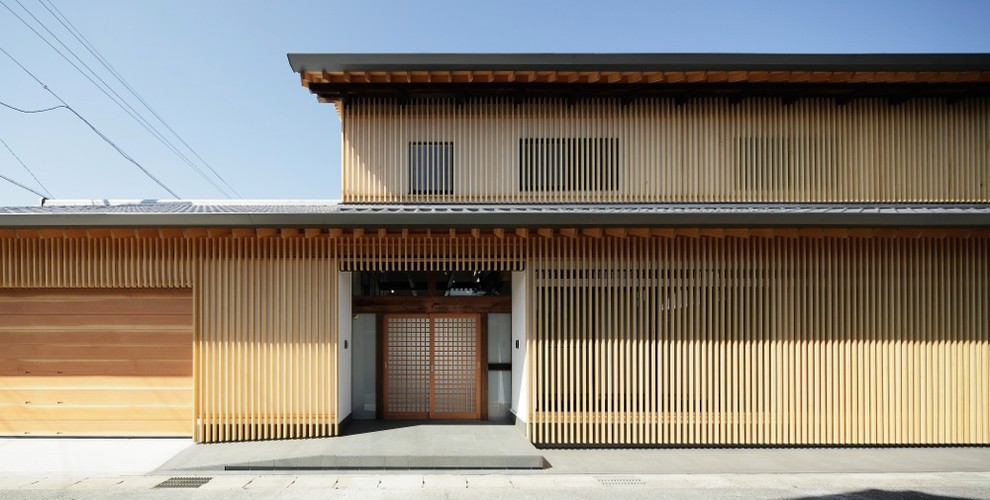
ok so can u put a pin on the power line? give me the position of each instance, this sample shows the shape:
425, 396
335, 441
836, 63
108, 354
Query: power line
71, 28
31, 111
115, 97
91, 126
22, 186
18, 158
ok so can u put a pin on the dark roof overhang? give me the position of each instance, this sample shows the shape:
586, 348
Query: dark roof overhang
619, 62
339, 78
487, 216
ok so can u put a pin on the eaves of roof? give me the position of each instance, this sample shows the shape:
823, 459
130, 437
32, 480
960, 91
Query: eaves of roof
182, 214
637, 62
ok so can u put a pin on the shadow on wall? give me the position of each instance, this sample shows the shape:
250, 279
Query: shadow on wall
883, 495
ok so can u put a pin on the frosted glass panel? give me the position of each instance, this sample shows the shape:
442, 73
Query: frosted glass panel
499, 394
499, 338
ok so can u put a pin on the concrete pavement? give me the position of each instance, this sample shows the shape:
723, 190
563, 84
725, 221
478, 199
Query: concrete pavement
541, 486
26, 456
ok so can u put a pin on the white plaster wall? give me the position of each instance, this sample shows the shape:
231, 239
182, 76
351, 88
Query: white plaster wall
344, 347
520, 368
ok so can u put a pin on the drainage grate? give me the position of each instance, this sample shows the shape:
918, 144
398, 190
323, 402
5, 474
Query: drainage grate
184, 482
612, 481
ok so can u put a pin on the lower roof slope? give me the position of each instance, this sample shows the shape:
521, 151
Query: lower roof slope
260, 213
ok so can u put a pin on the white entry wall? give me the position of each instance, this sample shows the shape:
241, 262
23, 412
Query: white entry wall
520, 389
344, 346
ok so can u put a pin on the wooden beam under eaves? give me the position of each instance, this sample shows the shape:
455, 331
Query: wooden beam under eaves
569, 232
545, 232
593, 232
615, 232
522, 232
498, 232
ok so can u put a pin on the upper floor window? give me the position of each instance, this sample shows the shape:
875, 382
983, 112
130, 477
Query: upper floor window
431, 167
569, 164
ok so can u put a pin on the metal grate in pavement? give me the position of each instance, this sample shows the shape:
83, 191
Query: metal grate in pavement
184, 482
619, 481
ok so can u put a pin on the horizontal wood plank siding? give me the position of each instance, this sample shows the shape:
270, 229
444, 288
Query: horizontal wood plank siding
96, 362
760, 341
659, 150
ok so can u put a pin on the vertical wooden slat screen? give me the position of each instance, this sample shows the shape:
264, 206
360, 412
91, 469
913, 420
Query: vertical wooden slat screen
97, 263
266, 349
656, 150
439, 252
780, 340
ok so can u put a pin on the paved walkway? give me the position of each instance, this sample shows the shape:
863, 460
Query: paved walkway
542, 486
377, 445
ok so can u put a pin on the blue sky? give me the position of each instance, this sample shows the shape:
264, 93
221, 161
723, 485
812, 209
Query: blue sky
216, 71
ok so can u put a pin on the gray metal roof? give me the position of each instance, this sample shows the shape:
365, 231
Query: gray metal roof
638, 62
185, 213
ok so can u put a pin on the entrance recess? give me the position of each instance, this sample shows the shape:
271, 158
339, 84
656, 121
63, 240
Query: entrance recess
432, 366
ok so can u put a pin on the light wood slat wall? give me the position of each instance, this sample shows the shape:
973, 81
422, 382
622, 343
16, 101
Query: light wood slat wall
433, 253
264, 353
705, 150
97, 262
774, 341
266, 350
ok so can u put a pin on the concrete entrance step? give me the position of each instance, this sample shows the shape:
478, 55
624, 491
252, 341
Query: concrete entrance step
374, 445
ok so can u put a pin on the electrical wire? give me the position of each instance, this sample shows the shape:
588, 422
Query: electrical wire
18, 158
108, 91
71, 28
22, 186
31, 111
91, 126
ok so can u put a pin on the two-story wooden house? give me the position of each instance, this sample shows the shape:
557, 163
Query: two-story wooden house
622, 249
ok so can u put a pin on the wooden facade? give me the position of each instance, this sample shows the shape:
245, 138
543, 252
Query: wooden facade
659, 336
502, 150
771, 341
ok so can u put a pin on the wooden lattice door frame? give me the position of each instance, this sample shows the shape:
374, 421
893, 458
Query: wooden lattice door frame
411, 326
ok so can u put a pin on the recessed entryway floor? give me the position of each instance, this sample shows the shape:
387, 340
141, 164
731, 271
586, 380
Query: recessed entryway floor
374, 445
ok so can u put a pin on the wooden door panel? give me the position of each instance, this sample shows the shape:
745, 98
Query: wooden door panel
407, 367
432, 366
455, 367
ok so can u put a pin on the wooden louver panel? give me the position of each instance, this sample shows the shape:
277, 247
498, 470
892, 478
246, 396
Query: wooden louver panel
659, 150
438, 252
85, 362
782, 341
266, 344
